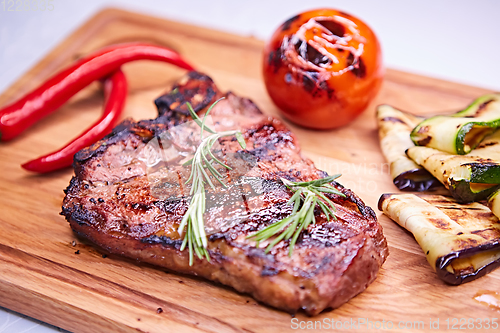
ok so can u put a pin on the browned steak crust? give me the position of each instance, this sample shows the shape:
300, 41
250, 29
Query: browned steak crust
109, 202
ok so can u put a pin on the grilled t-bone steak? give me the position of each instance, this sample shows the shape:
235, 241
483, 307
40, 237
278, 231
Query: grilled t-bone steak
109, 202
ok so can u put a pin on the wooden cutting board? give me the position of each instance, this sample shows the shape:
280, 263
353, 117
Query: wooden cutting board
42, 276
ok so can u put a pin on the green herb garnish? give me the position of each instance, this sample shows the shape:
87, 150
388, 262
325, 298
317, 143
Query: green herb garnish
304, 199
195, 237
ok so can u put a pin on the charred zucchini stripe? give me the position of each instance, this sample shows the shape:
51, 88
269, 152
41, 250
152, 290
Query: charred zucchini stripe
463, 131
461, 242
494, 203
394, 132
462, 174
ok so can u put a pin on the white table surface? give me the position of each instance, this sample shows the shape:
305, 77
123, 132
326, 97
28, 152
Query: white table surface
450, 39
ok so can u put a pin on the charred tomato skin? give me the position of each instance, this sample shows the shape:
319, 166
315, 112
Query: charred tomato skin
322, 68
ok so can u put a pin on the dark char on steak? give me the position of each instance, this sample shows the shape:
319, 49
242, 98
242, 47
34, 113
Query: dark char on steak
109, 202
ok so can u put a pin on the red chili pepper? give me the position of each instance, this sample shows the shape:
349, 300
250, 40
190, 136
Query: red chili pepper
20, 115
115, 94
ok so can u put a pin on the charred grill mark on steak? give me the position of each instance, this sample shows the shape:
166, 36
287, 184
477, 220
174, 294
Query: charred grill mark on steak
332, 261
197, 89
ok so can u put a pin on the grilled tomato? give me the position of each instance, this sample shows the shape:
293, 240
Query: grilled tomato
322, 68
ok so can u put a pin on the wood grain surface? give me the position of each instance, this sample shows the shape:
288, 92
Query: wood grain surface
42, 276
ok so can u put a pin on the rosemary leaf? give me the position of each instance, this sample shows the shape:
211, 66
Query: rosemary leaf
192, 225
327, 190
241, 140
306, 196
188, 162
218, 161
205, 175
316, 182
197, 119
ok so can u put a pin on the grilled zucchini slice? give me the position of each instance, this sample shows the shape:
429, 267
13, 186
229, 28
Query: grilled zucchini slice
394, 127
470, 177
494, 203
461, 242
463, 131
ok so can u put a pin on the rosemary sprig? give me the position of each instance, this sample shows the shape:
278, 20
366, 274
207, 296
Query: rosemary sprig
306, 196
195, 237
